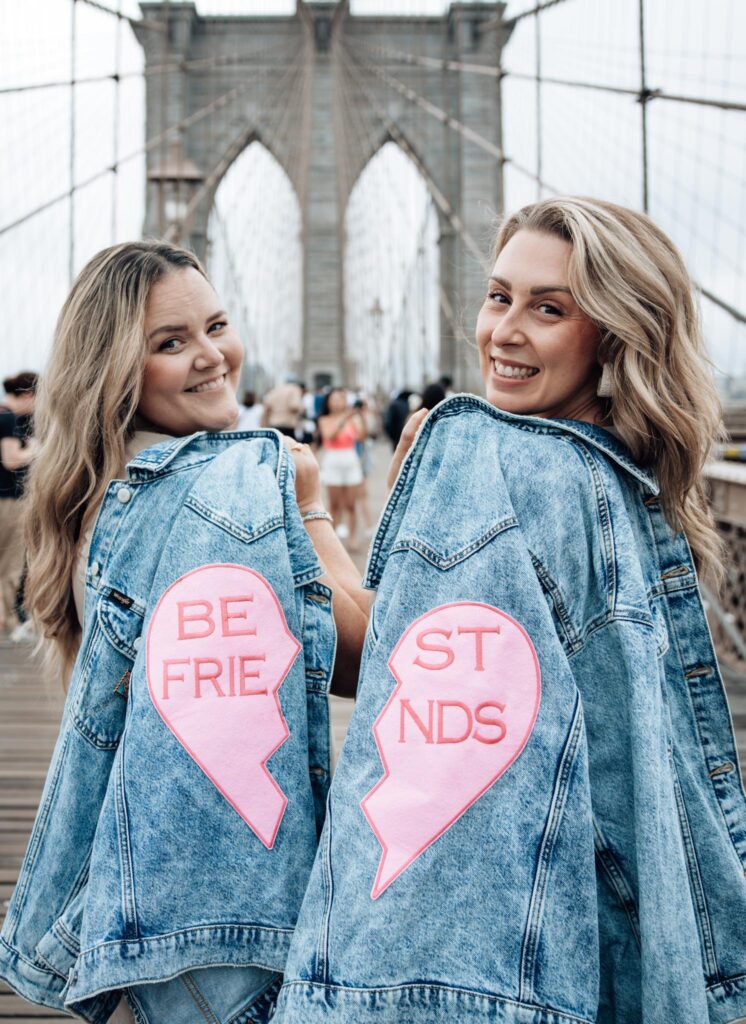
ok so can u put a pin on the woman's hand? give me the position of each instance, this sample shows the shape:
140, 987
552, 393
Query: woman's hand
307, 476
405, 443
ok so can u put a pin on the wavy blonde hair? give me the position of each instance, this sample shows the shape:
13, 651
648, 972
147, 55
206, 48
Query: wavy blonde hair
84, 416
628, 277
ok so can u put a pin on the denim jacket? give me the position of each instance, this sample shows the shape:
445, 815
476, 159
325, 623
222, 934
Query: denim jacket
537, 816
182, 807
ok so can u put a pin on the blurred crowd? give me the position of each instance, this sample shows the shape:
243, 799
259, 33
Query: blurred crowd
341, 425
16, 450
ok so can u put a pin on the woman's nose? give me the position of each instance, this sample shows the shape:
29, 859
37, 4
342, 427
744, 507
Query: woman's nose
209, 354
508, 329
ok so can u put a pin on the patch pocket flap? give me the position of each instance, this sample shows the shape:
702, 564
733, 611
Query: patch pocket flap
121, 621
446, 548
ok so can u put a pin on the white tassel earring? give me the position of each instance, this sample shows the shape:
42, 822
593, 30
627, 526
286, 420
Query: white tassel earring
605, 387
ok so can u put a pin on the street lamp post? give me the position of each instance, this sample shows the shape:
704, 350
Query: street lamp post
376, 314
177, 179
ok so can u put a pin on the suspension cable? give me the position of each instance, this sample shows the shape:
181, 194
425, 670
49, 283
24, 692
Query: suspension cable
643, 94
236, 146
169, 132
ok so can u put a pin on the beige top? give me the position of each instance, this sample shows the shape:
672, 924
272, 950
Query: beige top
283, 405
139, 440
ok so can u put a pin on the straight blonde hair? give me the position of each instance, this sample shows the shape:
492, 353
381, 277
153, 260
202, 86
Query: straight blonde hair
628, 277
84, 416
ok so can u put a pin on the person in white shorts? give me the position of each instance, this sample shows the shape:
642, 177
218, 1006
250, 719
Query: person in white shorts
341, 428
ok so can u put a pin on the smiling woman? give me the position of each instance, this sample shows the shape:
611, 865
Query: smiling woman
141, 493
193, 357
143, 352
537, 348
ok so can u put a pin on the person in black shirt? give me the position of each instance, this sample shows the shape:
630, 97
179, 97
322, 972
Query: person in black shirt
16, 451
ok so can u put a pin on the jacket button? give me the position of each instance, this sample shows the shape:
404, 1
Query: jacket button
124, 494
95, 568
136, 643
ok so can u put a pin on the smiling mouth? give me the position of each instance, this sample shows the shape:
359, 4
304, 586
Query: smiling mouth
208, 385
507, 372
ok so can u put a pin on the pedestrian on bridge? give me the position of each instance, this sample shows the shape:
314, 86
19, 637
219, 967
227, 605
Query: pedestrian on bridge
342, 429
130, 506
538, 813
17, 448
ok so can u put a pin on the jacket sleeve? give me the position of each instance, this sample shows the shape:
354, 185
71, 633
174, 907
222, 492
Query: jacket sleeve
39, 940
318, 636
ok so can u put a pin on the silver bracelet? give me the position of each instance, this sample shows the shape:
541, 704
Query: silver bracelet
305, 516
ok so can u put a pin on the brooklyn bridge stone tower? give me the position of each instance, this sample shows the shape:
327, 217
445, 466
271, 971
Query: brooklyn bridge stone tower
324, 90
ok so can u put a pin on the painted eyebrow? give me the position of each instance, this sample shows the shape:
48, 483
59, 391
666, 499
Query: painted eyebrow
539, 290
178, 328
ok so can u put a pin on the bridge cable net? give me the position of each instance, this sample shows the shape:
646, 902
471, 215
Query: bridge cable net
637, 101
629, 102
72, 99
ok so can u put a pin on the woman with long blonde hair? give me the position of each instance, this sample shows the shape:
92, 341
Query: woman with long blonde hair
538, 812
144, 353
116, 382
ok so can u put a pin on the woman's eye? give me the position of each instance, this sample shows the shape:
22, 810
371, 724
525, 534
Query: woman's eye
217, 326
500, 297
170, 345
547, 307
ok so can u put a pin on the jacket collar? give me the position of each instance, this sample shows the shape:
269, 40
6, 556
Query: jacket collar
594, 435
154, 460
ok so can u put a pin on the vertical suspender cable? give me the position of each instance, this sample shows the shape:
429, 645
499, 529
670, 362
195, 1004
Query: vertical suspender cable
644, 106
164, 83
71, 227
539, 161
115, 123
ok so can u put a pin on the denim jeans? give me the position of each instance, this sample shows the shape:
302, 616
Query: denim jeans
213, 995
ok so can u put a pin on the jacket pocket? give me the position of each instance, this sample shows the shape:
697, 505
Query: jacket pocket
99, 703
446, 551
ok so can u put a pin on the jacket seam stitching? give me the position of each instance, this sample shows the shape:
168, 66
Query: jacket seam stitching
125, 857
92, 952
552, 827
322, 948
549, 585
617, 880
441, 987
713, 789
607, 530
447, 562
44, 964
702, 914
228, 525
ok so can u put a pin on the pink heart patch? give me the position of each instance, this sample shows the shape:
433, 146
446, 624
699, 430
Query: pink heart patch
218, 650
467, 694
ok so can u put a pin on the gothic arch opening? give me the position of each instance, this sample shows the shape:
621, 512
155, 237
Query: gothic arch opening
391, 277
255, 262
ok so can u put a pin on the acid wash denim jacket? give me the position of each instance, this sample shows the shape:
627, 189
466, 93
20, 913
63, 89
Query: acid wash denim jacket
537, 816
186, 792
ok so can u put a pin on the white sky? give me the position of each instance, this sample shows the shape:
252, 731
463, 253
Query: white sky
590, 140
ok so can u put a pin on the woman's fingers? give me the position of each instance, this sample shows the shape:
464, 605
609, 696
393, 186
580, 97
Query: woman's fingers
405, 443
307, 479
